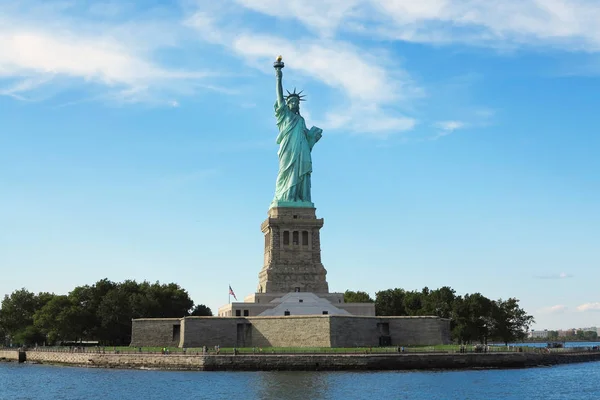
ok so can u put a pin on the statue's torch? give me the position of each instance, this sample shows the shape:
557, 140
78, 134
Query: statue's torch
278, 64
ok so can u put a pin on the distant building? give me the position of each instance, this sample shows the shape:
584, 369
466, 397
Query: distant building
567, 332
590, 329
538, 334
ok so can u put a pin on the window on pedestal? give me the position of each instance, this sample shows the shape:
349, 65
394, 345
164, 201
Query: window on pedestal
286, 238
238, 313
304, 238
296, 238
268, 239
246, 313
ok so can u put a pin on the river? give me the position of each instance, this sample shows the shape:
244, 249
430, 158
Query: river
572, 381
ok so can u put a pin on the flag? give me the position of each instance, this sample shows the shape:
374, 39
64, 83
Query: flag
231, 293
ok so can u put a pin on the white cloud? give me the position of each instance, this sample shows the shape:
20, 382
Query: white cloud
47, 44
336, 64
372, 94
557, 309
570, 24
62, 50
450, 126
325, 16
589, 307
368, 119
447, 127
562, 275
91, 59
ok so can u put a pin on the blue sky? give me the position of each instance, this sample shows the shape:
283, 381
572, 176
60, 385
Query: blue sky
460, 144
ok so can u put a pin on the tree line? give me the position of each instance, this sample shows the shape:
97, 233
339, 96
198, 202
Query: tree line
474, 317
101, 312
579, 335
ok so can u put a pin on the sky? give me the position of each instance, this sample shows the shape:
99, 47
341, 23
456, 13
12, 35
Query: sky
460, 144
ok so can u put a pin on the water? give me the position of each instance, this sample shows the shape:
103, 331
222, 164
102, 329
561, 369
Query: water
544, 344
572, 381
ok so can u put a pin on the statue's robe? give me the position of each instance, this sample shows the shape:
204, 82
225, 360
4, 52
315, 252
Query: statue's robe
295, 163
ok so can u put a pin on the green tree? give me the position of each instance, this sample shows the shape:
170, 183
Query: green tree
16, 316
390, 302
60, 319
30, 335
413, 303
129, 299
511, 322
201, 311
439, 302
590, 335
472, 318
87, 299
3, 335
170, 300
458, 324
357, 297
115, 314
102, 311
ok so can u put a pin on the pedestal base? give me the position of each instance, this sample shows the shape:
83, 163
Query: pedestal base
292, 252
292, 204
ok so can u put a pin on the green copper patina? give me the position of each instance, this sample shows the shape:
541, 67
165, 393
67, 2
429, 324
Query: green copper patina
295, 145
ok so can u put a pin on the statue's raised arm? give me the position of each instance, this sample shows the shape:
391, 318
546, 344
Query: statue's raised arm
295, 145
278, 65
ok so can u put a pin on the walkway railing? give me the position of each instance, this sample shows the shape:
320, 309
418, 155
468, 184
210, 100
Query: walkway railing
306, 350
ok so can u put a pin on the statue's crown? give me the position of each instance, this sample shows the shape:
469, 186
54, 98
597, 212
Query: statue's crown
299, 95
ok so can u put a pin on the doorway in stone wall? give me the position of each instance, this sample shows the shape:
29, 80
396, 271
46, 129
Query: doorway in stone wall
243, 335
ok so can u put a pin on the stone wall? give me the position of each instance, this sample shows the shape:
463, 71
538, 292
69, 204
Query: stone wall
9, 355
291, 331
133, 360
295, 265
157, 332
311, 362
213, 331
418, 331
356, 331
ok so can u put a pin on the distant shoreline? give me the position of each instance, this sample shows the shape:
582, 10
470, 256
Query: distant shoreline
305, 362
555, 341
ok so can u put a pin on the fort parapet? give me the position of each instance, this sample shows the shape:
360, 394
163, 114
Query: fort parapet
290, 331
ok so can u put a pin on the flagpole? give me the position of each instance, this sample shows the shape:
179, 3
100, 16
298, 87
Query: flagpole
229, 294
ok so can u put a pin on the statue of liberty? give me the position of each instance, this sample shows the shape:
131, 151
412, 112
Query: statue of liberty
295, 145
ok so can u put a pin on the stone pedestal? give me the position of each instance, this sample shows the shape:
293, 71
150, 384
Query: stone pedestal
292, 252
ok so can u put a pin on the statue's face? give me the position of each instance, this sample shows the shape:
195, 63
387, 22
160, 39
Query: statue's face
294, 104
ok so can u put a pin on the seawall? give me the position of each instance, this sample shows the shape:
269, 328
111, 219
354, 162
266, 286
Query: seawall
305, 362
9, 355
